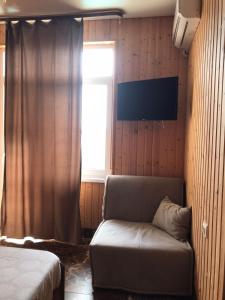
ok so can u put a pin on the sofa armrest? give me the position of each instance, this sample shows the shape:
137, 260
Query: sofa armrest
136, 198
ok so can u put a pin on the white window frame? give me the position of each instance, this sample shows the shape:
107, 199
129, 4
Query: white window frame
90, 175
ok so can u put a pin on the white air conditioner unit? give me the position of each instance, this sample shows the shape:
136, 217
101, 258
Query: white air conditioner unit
186, 20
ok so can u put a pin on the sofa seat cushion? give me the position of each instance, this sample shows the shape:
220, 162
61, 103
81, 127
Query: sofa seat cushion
141, 258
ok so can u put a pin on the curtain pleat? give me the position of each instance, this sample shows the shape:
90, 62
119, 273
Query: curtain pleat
42, 129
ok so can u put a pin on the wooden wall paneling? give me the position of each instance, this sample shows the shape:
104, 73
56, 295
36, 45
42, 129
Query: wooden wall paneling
219, 149
156, 73
201, 107
163, 150
205, 244
86, 217
91, 204
178, 146
166, 126
140, 148
206, 207
170, 127
82, 217
203, 210
200, 136
95, 207
209, 280
144, 48
118, 125
103, 29
117, 146
2, 34
221, 194
125, 148
133, 148
155, 146
101, 194
114, 29
135, 26
129, 64
205, 150
148, 148
192, 179
221, 289
158, 66
144, 162
209, 246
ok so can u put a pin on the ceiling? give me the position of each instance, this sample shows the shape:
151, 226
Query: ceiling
132, 8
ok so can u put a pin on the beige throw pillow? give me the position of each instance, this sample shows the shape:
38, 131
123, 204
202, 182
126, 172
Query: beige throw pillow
174, 219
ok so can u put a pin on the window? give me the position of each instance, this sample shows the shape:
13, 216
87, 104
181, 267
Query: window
97, 94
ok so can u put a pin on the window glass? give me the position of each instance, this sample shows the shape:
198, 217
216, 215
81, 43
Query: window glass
98, 62
97, 65
94, 109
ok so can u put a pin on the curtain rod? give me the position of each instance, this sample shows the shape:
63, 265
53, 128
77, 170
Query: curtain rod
80, 14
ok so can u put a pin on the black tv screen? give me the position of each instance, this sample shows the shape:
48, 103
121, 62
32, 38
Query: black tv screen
154, 99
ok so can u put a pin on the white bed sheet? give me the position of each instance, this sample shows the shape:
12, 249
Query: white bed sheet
28, 274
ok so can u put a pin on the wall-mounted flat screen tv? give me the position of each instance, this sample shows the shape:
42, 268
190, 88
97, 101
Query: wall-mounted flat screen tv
154, 99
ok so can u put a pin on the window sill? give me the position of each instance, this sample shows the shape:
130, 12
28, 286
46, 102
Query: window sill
93, 180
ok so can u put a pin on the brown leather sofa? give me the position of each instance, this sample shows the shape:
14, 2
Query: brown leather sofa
127, 252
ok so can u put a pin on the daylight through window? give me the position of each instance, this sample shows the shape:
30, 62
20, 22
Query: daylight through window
98, 69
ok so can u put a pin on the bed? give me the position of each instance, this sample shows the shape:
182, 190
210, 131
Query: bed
30, 275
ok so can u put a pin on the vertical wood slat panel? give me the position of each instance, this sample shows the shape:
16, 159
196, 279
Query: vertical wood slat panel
205, 249
144, 50
220, 293
205, 149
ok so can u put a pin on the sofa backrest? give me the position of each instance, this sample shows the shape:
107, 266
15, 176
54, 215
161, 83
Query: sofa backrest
136, 198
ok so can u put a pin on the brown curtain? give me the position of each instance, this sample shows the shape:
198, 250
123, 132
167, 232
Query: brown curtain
42, 129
